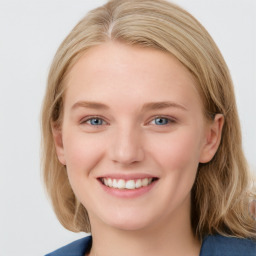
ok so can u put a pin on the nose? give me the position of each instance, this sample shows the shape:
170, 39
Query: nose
126, 147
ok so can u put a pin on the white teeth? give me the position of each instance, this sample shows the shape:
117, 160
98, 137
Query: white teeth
114, 184
109, 182
144, 182
121, 184
129, 184
138, 184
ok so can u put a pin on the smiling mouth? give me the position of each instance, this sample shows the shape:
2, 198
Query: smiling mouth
127, 184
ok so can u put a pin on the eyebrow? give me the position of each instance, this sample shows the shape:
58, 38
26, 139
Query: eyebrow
90, 104
162, 105
145, 107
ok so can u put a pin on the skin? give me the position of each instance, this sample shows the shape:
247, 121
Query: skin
128, 140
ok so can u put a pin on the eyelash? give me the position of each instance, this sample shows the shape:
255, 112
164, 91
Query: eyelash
170, 120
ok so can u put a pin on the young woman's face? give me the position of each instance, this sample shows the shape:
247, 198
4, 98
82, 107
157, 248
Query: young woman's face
132, 137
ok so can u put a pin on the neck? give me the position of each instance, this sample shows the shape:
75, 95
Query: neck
171, 236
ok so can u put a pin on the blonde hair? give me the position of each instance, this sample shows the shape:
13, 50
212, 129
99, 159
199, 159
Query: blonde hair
220, 194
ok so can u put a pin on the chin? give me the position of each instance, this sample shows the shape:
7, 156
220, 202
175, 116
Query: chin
129, 220
128, 225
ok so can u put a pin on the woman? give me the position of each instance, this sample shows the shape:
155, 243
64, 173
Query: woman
141, 137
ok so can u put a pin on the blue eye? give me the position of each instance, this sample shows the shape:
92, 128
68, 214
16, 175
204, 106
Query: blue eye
161, 121
95, 121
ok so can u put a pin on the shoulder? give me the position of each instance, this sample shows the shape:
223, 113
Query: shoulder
76, 248
217, 245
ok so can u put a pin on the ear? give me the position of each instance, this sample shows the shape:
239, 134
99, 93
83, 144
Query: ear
213, 138
57, 137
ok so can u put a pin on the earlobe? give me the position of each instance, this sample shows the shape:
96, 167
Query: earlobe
57, 137
213, 139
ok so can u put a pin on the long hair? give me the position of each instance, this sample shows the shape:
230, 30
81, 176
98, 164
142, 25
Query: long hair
221, 193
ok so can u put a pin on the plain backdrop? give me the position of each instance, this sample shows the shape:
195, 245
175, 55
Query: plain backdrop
30, 32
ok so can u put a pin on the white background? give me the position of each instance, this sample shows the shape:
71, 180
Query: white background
30, 32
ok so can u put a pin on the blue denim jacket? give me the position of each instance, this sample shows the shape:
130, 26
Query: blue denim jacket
216, 245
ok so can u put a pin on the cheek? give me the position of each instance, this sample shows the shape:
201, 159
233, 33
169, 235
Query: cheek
179, 151
82, 152
178, 157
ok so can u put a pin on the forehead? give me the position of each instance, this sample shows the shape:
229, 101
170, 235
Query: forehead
117, 69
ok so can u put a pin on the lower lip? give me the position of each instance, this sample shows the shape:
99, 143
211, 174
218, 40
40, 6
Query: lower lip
128, 193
